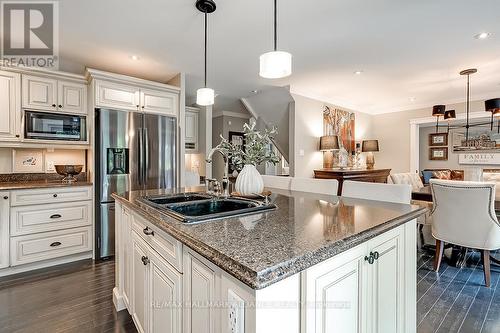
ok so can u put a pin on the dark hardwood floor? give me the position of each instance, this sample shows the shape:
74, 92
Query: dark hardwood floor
78, 298
456, 300
70, 298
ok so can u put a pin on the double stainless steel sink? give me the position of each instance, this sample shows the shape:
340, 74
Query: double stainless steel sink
201, 207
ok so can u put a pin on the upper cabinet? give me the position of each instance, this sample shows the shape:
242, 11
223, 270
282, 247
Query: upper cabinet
115, 95
47, 93
10, 110
192, 128
156, 101
122, 92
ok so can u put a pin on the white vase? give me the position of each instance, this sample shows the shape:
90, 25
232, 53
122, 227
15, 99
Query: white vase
249, 181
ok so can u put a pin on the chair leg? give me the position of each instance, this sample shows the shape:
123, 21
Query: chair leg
485, 256
439, 254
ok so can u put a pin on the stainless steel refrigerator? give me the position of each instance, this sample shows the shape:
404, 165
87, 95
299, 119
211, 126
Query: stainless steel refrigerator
134, 151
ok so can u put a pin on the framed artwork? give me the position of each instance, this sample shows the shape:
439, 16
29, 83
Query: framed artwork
438, 139
438, 154
27, 161
237, 139
341, 123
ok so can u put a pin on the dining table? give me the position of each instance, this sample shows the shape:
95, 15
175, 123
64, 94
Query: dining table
459, 254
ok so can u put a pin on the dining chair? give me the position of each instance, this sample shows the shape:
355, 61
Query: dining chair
413, 179
279, 182
313, 185
464, 215
397, 193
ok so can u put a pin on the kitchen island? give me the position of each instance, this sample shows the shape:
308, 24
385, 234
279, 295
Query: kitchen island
317, 263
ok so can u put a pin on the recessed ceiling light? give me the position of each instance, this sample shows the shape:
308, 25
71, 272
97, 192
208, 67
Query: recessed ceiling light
358, 72
134, 57
254, 91
412, 99
482, 35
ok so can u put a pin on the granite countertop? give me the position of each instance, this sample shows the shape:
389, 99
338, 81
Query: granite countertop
264, 248
32, 184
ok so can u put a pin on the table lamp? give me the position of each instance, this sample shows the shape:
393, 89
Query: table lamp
369, 146
327, 144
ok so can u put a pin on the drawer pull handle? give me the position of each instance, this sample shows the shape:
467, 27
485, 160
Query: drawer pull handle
53, 105
145, 260
55, 216
370, 259
59, 106
376, 255
148, 231
55, 195
5, 197
55, 244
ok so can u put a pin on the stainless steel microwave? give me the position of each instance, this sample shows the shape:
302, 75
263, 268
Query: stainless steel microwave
54, 126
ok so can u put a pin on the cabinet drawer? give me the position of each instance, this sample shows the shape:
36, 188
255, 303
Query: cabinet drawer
166, 246
51, 195
49, 245
41, 218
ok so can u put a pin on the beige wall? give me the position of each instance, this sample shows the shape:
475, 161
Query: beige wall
393, 132
309, 128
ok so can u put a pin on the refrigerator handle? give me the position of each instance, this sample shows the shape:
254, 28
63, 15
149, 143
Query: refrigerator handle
146, 154
141, 155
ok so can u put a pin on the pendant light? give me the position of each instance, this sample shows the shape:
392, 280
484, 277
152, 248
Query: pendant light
493, 106
467, 72
275, 64
205, 96
438, 111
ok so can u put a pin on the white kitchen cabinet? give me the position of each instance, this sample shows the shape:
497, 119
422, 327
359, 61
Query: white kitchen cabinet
157, 101
50, 94
336, 292
4, 229
165, 297
10, 106
386, 283
116, 96
39, 93
156, 290
71, 97
125, 252
201, 286
191, 132
140, 279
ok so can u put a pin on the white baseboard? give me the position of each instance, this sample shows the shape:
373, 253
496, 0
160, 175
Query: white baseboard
118, 300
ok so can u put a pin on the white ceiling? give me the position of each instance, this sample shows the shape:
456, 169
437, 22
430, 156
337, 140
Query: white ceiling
405, 48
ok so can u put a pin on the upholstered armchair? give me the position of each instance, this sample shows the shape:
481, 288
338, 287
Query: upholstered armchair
464, 215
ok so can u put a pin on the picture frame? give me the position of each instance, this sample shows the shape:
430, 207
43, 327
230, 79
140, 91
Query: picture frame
438, 139
237, 139
27, 161
438, 154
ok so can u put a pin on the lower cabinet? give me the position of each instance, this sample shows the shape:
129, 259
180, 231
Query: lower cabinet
156, 291
367, 289
4, 229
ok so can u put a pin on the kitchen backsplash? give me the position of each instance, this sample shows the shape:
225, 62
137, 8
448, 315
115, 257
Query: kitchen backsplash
14, 160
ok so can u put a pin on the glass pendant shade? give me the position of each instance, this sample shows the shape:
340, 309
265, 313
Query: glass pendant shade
205, 96
275, 65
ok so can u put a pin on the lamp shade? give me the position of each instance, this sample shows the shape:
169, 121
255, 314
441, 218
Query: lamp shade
329, 142
205, 96
492, 105
275, 64
369, 146
438, 110
450, 114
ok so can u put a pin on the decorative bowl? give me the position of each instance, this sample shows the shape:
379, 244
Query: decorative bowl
68, 171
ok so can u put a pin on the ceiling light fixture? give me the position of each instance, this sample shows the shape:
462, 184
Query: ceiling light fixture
412, 99
358, 72
275, 64
205, 96
134, 57
482, 35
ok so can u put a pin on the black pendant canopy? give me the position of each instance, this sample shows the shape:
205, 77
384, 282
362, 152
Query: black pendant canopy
206, 6
438, 110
